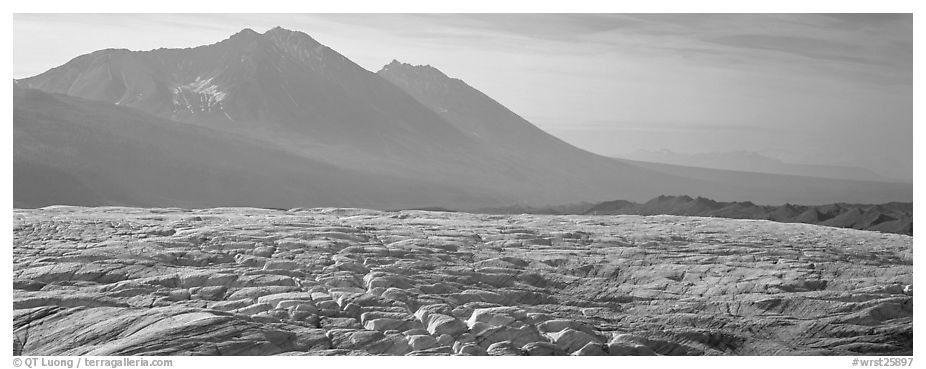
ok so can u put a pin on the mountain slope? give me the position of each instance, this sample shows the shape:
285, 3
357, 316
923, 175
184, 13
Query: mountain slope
470, 110
512, 136
79, 152
400, 129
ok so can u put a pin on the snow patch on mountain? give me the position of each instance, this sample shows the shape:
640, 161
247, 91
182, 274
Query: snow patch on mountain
206, 87
199, 96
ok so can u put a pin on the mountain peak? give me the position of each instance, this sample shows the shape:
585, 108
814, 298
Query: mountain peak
246, 34
396, 66
280, 31
393, 64
281, 36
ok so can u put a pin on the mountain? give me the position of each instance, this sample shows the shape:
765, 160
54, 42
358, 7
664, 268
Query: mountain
893, 217
321, 130
889, 217
287, 89
69, 150
749, 161
471, 111
511, 136
282, 84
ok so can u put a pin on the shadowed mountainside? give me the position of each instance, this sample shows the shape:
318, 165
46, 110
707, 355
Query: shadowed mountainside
69, 150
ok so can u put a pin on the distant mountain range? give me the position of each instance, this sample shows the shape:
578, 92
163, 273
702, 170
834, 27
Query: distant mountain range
279, 120
749, 161
892, 217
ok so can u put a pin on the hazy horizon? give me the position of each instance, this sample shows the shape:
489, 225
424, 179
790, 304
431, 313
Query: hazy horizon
802, 88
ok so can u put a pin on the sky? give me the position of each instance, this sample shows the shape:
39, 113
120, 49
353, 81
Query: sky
831, 89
